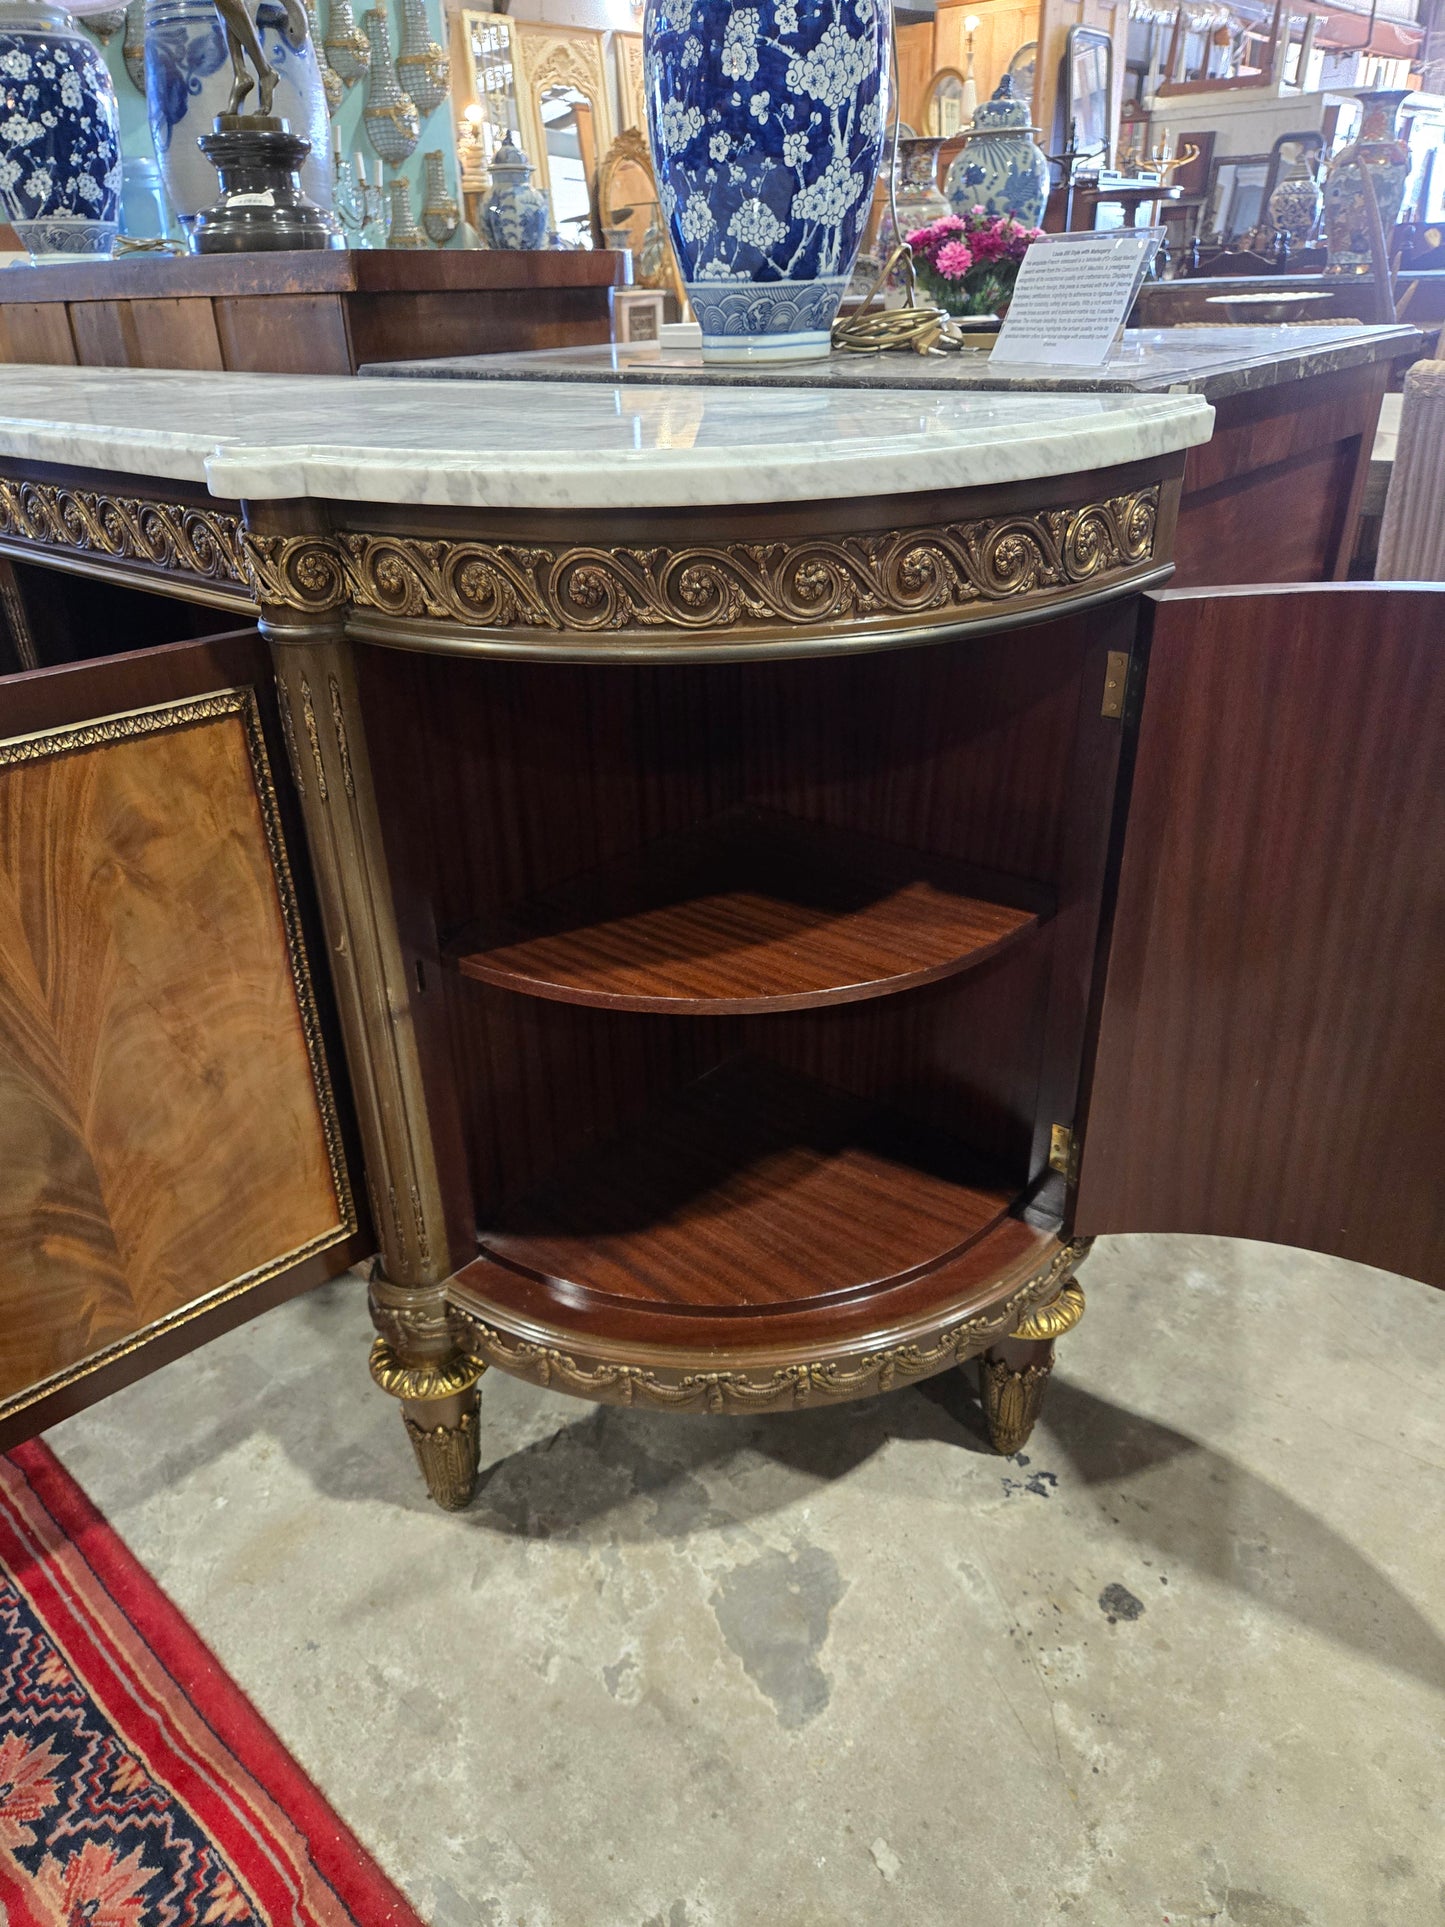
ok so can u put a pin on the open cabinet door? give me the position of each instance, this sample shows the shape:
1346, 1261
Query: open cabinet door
172, 1157
1271, 1051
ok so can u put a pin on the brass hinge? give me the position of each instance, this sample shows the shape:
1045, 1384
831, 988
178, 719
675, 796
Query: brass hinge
1063, 1153
1116, 680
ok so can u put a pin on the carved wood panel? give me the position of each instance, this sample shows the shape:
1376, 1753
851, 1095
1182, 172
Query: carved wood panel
168, 1136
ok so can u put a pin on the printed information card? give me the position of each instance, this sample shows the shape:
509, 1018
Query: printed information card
1072, 294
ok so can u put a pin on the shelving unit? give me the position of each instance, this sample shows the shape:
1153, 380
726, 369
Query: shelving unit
751, 912
751, 978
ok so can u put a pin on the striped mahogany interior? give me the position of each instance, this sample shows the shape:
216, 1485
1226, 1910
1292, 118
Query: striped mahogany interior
750, 912
753, 1186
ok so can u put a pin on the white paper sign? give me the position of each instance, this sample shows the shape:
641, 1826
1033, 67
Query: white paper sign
1071, 296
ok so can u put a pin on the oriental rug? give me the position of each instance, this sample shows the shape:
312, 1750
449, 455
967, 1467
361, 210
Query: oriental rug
138, 1785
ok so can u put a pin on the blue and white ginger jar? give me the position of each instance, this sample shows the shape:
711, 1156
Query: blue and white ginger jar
767, 130
59, 134
188, 82
515, 214
1001, 168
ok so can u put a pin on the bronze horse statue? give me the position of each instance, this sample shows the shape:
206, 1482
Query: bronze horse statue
243, 41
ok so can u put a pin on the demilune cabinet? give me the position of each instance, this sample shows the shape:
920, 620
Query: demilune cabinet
726, 1028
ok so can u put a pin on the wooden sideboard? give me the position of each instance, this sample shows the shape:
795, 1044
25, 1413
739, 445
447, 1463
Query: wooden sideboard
305, 314
1168, 304
767, 942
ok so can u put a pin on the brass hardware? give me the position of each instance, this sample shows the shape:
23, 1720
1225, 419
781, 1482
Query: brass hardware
308, 715
1116, 680
439, 1411
368, 970
199, 545
927, 576
1012, 1401
447, 1457
438, 1378
1054, 1319
691, 1385
185, 714
1063, 1153
685, 599
13, 611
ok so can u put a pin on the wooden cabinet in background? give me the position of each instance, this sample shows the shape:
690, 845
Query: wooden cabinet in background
306, 314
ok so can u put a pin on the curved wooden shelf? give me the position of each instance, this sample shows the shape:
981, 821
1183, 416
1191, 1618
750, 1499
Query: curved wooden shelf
751, 912
758, 1225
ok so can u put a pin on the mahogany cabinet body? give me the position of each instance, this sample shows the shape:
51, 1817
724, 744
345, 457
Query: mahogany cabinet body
1275, 494
306, 314
799, 1007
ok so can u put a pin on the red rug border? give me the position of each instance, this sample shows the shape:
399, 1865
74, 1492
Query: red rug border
339, 1857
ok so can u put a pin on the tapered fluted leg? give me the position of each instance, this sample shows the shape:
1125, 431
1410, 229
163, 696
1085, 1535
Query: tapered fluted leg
415, 1357
415, 1360
1013, 1374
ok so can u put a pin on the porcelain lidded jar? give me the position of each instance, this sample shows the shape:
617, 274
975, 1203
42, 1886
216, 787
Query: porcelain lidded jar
766, 124
1294, 206
188, 82
1347, 211
60, 167
1001, 168
515, 214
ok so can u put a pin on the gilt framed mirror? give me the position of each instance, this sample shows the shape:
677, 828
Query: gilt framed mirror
566, 107
630, 213
944, 104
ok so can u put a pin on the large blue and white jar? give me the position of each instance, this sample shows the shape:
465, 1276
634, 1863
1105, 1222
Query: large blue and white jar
1001, 168
516, 214
59, 135
188, 82
767, 129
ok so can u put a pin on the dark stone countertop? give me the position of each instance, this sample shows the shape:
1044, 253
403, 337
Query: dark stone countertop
1213, 361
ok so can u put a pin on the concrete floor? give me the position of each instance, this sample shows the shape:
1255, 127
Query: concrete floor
1181, 1662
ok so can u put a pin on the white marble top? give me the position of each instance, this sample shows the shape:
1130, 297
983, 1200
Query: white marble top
560, 445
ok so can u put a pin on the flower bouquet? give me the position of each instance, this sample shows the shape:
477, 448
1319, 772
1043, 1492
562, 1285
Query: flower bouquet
969, 265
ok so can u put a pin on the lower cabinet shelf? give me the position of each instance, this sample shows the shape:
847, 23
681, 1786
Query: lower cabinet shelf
758, 1225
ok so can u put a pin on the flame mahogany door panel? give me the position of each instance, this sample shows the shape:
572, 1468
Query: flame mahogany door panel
1271, 1053
171, 1150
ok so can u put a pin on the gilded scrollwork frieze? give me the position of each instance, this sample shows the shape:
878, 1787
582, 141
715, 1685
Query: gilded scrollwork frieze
739, 1390
911, 575
202, 543
914, 574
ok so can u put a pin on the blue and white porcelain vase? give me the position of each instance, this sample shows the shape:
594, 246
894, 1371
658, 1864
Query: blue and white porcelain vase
516, 213
1001, 168
59, 135
766, 124
1294, 206
188, 82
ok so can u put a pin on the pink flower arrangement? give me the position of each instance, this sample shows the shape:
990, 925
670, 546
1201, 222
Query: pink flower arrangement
953, 260
969, 264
